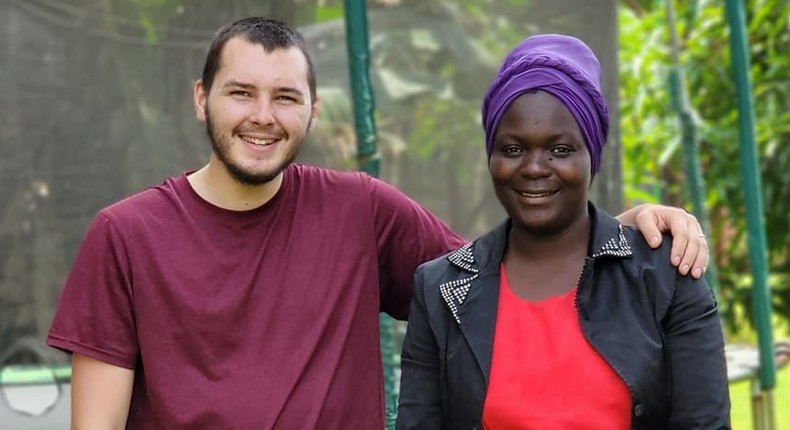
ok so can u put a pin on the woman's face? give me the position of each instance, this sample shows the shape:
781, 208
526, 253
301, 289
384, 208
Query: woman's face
540, 165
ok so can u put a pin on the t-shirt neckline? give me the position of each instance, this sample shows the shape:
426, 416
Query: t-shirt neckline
183, 186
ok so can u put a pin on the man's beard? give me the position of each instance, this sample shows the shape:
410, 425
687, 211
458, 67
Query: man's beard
238, 173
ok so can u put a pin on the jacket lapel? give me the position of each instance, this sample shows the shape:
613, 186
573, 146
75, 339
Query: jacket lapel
473, 296
608, 241
608, 237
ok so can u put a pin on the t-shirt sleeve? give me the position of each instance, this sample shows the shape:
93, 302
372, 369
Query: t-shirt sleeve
408, 235
94, 315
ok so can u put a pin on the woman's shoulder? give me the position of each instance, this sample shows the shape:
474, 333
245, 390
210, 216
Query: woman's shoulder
643, 252
463, 265
444, 268
473, 256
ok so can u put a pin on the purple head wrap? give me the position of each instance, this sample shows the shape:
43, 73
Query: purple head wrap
562, 66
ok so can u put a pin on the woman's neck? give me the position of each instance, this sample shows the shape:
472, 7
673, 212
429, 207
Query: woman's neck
532, 245
545, 265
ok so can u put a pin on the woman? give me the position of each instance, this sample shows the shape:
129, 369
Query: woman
560, 318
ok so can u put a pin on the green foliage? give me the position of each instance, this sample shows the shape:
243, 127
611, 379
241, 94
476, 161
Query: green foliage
326, 13
650, 129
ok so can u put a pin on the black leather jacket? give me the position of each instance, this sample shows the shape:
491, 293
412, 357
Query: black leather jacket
658, 330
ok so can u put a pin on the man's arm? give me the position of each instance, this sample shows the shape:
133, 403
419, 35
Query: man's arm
690, 253
100, 394
407, 235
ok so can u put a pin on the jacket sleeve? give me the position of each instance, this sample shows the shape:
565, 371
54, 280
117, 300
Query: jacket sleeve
694, 345
420, 405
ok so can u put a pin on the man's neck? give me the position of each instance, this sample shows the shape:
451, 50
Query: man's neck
215, 185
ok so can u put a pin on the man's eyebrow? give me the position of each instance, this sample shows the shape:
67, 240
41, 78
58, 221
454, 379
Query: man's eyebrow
248, 86
292, 90
238, 84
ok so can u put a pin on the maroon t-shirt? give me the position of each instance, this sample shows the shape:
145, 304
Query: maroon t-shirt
256, 319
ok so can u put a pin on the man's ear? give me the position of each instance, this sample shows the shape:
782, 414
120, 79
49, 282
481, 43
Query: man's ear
199, 96
314, 113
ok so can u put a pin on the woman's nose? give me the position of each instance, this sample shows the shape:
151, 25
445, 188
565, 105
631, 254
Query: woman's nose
536, 164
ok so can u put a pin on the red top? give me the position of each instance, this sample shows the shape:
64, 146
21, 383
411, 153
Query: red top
544, 373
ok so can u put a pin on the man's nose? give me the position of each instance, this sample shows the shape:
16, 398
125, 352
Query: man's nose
262, 112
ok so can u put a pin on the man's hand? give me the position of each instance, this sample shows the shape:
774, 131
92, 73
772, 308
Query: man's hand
690, 251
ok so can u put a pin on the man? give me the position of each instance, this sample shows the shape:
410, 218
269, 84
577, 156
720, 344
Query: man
242, 295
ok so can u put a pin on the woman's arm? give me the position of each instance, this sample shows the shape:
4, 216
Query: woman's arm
419, 407
695, 350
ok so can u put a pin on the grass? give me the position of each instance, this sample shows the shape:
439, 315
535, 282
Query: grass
740, 395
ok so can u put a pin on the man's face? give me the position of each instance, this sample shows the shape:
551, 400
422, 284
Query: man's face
257, 111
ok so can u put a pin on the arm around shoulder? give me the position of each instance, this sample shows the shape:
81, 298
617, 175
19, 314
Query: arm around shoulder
690, 253
100, 394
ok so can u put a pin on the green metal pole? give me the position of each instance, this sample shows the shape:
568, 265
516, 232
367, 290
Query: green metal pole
753, 193
688, 132
361, 87
368, 159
